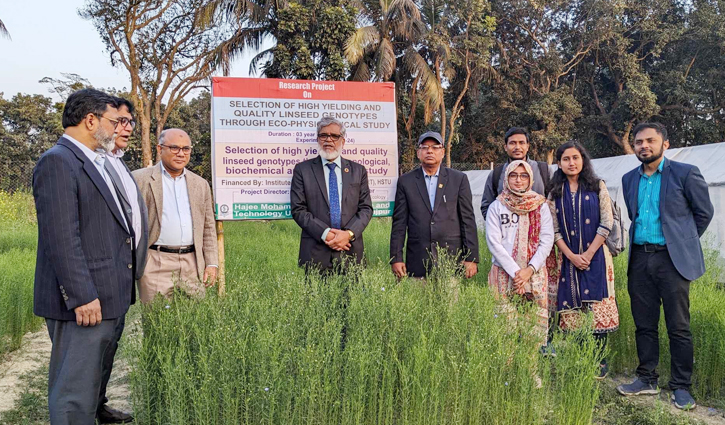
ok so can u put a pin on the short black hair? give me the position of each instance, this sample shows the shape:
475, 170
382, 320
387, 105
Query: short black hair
659, 128
83, 102
124, 102
516, 130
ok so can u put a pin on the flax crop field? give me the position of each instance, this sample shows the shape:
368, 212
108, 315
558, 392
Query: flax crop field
272, 351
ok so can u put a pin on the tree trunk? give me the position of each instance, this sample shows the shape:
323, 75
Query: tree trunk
147, 156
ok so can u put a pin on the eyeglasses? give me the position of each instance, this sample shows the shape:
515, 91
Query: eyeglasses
123, 122
434, 148
115, 122
175, 149
325, 136
522, 176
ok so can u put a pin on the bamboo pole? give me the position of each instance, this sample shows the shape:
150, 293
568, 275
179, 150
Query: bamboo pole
222, 281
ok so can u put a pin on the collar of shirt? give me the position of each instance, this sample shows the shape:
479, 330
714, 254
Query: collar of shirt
434, 175
85, 149
337, 161
118, 153
166, 173
659, 168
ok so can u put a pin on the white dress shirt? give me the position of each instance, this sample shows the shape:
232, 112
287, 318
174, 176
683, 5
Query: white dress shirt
338, 173
98, 159
114, 160
501, 228
177, 228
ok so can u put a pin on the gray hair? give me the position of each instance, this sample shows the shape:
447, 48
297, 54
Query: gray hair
162, 136
328, 120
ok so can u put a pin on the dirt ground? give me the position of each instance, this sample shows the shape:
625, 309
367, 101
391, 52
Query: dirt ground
35, 354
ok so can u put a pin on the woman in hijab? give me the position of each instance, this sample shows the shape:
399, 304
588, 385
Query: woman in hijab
582, 214
520, 236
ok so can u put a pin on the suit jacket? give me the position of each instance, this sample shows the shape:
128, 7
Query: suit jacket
685, 211
450, 224
142, 250
311, 210
84, 249
151, 187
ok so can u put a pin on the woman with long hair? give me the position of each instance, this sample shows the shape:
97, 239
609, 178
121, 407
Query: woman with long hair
520, 236
582, 216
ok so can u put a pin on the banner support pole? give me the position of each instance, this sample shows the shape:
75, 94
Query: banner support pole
221, 279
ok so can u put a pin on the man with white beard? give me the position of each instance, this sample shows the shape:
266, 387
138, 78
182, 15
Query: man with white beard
330, 201
84, 276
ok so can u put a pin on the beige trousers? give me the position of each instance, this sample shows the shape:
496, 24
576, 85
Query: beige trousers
166, 271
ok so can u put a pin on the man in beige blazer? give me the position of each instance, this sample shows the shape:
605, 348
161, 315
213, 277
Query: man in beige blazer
182, 231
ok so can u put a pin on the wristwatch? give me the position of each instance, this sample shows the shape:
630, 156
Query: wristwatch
352, 235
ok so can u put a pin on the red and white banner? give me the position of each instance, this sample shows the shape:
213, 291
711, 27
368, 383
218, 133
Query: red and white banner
262, 127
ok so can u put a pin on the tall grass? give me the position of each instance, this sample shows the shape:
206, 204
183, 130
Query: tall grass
272, 350
18, 239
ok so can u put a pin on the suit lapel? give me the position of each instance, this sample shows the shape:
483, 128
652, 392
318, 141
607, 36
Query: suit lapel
442, 181
320, 176
192, 191
96, 178
346, 180
157, 190
664, 179
420, 182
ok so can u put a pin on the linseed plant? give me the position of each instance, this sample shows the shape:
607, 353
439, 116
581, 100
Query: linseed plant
360, 348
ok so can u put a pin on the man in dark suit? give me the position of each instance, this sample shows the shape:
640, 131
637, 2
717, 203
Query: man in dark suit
330, 201
669, 205
84, 277
434, 206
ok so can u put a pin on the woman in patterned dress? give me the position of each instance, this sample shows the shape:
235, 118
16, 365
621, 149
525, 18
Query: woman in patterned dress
582, 217
520, 236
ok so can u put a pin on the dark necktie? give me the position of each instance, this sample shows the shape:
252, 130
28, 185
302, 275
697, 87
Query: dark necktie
334, 197
121, 192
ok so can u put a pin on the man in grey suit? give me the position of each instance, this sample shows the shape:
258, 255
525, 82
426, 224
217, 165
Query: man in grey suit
670, 208
330, 201
434, 207
84, 277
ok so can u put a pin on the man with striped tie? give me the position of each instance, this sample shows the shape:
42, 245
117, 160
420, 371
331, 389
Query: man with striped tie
330, 201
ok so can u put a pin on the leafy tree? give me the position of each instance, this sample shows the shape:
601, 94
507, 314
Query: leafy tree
3, 30
168, 47
29, 125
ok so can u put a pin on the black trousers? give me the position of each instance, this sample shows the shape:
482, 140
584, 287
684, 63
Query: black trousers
654, 281
77, 369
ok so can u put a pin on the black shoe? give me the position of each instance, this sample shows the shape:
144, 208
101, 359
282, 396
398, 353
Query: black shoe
638, 388
683, 399
108, 415
603, 371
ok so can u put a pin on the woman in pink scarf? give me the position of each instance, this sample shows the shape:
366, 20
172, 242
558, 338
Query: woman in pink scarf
520, 235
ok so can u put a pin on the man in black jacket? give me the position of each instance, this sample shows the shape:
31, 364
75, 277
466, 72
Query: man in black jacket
330, 201
84, 276
516, 144
433, 205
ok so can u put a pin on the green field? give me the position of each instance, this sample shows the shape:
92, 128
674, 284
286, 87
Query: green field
271, 351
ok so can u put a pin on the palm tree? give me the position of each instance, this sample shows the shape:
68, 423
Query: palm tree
395, 32
3, 30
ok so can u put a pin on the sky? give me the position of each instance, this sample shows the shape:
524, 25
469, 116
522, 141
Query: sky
49, 38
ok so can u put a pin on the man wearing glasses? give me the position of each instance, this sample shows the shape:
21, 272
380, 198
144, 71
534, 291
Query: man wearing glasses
330, 201
434, 206
84, 277
182, 239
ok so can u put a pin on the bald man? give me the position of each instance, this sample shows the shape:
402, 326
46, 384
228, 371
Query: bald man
182, 232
